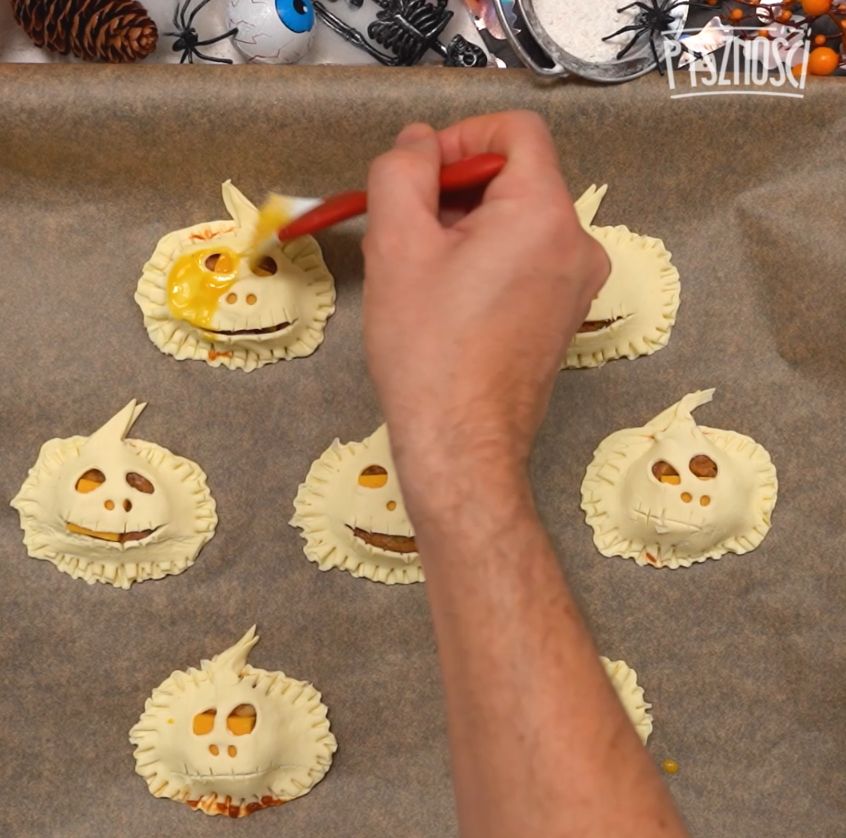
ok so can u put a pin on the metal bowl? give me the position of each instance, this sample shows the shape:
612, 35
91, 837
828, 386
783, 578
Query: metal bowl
564, 63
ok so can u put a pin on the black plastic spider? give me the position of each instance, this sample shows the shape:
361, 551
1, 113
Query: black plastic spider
187, 39
651, 20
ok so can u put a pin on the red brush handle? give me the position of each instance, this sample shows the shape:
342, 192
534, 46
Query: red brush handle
465, 174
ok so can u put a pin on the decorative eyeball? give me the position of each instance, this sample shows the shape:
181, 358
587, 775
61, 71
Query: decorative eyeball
271, 31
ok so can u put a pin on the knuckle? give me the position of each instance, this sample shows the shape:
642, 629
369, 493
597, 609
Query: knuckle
396, 163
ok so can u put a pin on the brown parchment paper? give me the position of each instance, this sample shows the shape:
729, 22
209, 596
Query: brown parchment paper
742, 658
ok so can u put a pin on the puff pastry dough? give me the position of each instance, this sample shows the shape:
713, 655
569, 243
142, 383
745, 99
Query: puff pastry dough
109, 509
352, 515
624, 680
203, 297
635, 311
672, 492
230, 739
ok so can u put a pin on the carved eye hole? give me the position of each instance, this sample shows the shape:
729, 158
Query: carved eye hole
663, 472
266, 266
91, 480
140, 483
204, 722
241, 720
703, 467
373, 477
219, 263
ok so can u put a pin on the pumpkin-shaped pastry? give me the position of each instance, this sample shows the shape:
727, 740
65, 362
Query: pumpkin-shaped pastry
205, 296
231, 739
635, 310
672, 492
105, 508
352, 515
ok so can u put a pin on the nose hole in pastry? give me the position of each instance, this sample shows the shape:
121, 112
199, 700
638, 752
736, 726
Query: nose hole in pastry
663, 472
373, 477
231, 298
127, 505
242, 720
251, 299
90, 480
686, 497
266, 266
203, 723
232, 751
705, 500
214, 750
139, 483
391, 505
703, 467
109, 504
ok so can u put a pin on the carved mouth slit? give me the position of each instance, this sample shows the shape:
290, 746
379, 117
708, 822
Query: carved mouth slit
265, 330
386, 541
597, 325
114, 537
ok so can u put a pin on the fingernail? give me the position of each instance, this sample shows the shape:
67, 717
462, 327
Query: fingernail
414, 134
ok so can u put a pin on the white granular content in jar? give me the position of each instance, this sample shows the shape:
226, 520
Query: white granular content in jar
578, 26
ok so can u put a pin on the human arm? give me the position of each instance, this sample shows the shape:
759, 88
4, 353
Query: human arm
465, 326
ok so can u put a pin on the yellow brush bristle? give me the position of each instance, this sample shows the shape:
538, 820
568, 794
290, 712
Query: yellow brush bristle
273, 214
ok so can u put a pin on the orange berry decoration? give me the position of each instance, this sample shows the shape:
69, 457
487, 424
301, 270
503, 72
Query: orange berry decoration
816, 7
823, 61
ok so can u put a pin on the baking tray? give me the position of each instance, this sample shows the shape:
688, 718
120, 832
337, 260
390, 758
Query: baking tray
742, 658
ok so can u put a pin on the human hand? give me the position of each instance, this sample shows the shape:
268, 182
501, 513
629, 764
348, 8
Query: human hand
466, 323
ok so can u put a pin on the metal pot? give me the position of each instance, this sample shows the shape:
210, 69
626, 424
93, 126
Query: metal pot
563, 62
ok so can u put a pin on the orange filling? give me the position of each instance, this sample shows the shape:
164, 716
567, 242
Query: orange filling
596, 325
227, 807
373, 477
664, 472
386, 541
119, 537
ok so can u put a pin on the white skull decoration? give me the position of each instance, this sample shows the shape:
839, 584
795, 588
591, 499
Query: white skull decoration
673, 493
271, 31
204, 296
352, 515
109, 509
635, 310
230, 739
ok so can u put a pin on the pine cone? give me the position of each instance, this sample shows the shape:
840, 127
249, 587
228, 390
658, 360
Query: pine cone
109, 30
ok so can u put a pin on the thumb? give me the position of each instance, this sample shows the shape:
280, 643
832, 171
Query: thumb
404, 183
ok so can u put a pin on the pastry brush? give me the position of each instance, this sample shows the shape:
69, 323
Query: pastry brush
284, 217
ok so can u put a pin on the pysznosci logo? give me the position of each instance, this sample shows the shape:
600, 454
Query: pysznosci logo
742, 62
